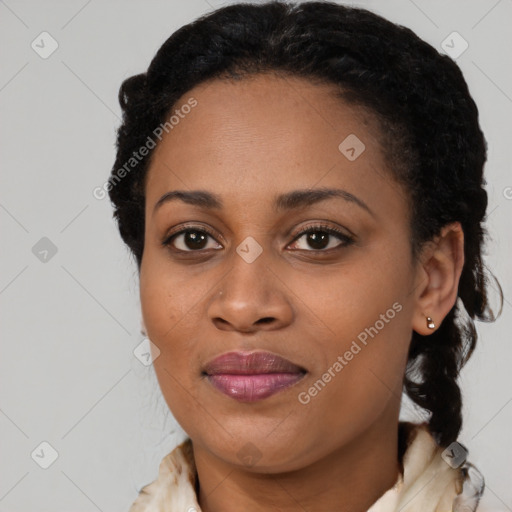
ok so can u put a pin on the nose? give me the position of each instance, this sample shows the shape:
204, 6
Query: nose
251, 298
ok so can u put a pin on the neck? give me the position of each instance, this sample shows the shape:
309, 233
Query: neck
349, 479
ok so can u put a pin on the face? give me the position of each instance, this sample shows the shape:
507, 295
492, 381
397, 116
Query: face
323, 281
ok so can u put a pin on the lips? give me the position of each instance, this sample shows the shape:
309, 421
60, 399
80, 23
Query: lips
250, 363
251, 376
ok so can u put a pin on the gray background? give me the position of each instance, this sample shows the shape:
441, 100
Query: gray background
70, 323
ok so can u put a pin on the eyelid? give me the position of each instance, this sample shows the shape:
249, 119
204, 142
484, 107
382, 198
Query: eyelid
321, 226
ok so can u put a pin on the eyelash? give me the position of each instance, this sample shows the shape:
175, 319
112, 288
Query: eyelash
345, 239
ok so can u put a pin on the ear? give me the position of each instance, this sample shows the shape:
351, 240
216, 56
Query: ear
437, 280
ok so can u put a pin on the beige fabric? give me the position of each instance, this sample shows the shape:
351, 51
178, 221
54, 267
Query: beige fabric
428, 484
173, 490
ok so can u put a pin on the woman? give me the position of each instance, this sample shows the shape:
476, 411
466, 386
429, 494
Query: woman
302, 189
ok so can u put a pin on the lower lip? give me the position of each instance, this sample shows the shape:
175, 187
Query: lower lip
249, 388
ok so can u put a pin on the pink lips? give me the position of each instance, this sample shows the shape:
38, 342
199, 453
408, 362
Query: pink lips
252, 376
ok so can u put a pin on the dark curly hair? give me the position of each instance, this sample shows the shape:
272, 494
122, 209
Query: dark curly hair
429, 128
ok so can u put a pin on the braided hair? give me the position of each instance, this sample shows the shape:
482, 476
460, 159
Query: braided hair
430, 135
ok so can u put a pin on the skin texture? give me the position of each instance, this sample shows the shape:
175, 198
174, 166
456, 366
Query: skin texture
248, 141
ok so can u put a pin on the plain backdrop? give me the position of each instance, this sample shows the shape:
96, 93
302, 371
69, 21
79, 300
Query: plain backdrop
68, 287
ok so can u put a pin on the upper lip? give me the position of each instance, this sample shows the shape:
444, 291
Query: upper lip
250, 363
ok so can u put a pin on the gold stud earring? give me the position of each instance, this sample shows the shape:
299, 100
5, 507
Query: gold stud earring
430, 323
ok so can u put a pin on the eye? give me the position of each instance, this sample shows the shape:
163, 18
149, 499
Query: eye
195, 239
191, 239
319, 237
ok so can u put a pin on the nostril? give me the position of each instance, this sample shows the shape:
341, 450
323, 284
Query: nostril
266, 320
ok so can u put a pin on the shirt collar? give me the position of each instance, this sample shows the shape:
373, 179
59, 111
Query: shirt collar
427, 481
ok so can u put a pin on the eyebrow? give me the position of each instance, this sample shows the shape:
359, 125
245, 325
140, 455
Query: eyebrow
289, 201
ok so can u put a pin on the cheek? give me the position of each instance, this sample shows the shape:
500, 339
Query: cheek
172, 308
167, 306
364, 317
361, 381
166, 298
158, 308
369, 289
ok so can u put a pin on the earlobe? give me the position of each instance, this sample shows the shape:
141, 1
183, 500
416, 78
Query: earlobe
441, 268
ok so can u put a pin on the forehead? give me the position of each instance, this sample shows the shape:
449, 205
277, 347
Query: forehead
264, 133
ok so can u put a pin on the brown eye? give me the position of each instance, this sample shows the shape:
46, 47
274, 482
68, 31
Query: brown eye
321, 238
190, 240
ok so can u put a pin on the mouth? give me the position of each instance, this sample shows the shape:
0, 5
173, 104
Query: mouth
252, 376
